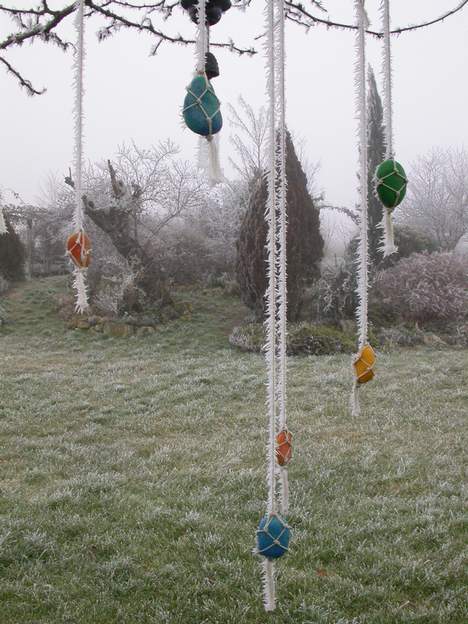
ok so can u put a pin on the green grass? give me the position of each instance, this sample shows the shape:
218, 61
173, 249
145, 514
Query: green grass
132, 478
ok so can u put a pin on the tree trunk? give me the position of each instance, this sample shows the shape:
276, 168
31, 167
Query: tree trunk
29, 248
117, 221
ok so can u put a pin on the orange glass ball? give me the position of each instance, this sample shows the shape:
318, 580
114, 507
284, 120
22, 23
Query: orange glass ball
79, 249
284, 447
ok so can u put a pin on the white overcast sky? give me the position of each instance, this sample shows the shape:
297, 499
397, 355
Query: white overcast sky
130, 95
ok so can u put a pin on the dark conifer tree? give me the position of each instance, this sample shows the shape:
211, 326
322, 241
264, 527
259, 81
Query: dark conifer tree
304, 241
12, 254
376, 154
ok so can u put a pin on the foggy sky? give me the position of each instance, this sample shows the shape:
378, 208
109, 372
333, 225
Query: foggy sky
130, 95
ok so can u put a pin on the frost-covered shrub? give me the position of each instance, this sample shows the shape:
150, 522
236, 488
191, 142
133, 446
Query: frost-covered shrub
410, 241
4, 285
318, 340
424, 287
224, 281
12, 254
184, 252
456, 334
303, 338
400, 336
333, 296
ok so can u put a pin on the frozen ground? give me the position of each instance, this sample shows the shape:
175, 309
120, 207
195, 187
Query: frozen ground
132, 478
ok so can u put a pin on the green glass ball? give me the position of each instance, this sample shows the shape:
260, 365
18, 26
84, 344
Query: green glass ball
390, 183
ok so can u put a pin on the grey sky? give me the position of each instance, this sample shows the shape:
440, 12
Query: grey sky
130, 95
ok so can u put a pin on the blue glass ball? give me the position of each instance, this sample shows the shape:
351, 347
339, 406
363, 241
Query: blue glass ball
201, 107
273, 535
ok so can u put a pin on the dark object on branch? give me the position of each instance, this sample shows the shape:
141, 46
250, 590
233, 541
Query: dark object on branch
12, 254
213, 14
211, 66
304, 241
224, 5
193, 12
214, 10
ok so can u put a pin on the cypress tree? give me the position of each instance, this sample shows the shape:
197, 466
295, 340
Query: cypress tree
12, 254
376, 154
304, 241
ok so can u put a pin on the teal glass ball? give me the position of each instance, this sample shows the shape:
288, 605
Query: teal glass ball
202, 108
273, 536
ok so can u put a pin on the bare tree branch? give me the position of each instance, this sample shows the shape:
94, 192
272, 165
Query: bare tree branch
42, 22
346, 211
298, 14
22, 81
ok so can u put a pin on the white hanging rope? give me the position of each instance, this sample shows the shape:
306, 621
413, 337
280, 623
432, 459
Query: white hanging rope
387, 75
269, 593
276, 295
282, 241
3, 227
271, 294
215, 172
79, 282
78, 114
202, 37
362, 257
388, 246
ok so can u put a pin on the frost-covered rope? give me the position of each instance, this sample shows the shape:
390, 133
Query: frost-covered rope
202, 37
79, 280
3, 228
271, 294
387, 75
78, 115
362, 257
269, 592
276, 295
388, 246
282, 239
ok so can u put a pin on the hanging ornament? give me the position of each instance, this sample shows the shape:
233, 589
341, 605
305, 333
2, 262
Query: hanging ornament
390, 183
78, 245
202, 108
284, 447
273, 536
273, 533
224, 5
362, 259
213, 12
390, 179
364, 364
211, 66
79, 249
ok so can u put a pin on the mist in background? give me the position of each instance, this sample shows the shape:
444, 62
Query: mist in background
132, 96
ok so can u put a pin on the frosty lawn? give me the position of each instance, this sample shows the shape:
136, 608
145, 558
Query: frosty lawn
132, 478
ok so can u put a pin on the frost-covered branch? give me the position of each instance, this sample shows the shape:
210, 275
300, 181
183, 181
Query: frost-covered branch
300, 15
41, 22
346, 211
